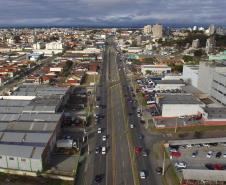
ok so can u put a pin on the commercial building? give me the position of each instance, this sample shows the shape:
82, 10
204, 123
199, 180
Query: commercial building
155, 69
191, 74
212, 80
30, 122
161, 85
174, 105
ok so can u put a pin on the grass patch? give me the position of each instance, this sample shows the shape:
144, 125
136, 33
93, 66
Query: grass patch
170, 177
199, 128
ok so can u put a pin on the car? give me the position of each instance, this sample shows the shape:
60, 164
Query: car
98, 178
140, 136
138, 150
218, 154
99, 130
175, 154
159, 170
142, 174
194, 154
104, 137
218, 167
209, 166
209, 154
181, 117
181, 165
224, 155
103, 150
138, 115
98, 149
144, 153
131, 125
206, 145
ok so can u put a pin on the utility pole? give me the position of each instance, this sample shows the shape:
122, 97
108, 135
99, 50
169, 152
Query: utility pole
176, 126
163, 164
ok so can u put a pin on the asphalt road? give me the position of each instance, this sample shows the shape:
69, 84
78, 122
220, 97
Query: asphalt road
120, 166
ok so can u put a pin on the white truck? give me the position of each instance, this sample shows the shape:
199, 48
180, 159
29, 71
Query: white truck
66, 143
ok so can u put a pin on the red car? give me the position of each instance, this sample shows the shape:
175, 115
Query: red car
138, 150
218, 167
175, 154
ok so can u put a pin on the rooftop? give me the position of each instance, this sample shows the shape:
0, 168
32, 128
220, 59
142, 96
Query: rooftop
216, 112
169, 82
168, 98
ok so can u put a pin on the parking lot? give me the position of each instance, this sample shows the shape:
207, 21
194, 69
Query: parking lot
198, 155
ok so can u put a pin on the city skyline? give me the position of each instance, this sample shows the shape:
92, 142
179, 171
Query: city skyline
110, 13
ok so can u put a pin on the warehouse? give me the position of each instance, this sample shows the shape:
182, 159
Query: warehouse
174, 105
161, 85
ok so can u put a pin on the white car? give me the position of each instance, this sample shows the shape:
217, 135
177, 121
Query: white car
104, 138
180, 165
224, 155
142, 175
103, 150
181, 117
209, 154
131, 126
206, 145
99, 130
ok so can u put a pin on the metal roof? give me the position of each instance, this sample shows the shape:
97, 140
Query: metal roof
177, 98
169, 82
13, 103
21, 151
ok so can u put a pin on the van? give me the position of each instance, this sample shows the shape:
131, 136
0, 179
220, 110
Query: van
103, 150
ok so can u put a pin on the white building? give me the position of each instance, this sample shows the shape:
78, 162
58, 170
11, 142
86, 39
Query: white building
161, 85
38, 45
54, 46
191, 74
155, 69
157, 31
147, 29
175, 105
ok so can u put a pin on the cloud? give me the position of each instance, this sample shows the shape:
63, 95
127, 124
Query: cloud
110, 12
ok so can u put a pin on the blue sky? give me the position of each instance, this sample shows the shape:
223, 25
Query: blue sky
111, 12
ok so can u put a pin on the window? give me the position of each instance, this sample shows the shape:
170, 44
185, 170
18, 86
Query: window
0, 157
23, 160
11, 158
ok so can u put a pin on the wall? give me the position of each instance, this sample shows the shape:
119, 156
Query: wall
190, 74
173, 110
168, 86
205, 77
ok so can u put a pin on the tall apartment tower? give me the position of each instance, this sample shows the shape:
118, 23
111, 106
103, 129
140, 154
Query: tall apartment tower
212, 29
157, 30
210, 45
147, 29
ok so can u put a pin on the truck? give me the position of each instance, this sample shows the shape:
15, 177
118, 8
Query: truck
66, 143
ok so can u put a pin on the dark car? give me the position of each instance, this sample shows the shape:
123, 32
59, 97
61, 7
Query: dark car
209, 166
158, 170
98, 178
140, 136
98, 149
218, 154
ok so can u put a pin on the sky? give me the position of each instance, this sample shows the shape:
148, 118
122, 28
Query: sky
111, 12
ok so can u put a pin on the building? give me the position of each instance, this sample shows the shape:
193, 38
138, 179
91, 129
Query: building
195, 43
175, 105
210, 45
212, 80
191, 74
212, 29
219, 56
162, 85
157, 31
39, 45
148, 29
54, 46
155, 69
30, 122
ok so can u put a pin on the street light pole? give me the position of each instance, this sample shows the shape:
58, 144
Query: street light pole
163, 164
176, 126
